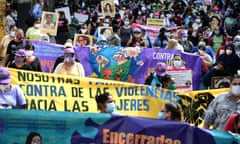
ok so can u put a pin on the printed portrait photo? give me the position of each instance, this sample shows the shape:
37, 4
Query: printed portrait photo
49, 23
82, 40
108, 8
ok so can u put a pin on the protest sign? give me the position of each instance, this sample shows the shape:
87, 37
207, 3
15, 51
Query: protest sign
155, 22
66, 10
108, 8
18, 126
2, 18
52, 92
82, 18
49, 23
135, 62
183, 78
82, 40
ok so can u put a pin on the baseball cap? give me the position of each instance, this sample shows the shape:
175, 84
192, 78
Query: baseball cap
137, 30
161, 69
4, 76
237, 38
184, 33
68, 45
69, 51
21, 52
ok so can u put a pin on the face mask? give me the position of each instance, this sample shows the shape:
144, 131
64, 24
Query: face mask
177, 63
167, 34
156, 17
3, 87
62, 17
162, 16
184, 38
237, 43
18, 37
13, 33
217, 32
161, 116
126, 22
69, 59
235, 90
169, 15
106, 24
83, 31
137, 35
228, 51
37, 26
17, 60
29, 52
172, 87
14, 15
110, 107
139, 13
201, 52
198, 21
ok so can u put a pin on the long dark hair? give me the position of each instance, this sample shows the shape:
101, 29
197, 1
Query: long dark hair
176, 111
31, 136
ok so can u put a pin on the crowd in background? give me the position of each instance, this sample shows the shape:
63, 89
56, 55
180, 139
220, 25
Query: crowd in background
209, 30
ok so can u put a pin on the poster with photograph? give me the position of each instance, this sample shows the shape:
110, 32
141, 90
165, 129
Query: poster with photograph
82, 40
105, 32
49, 23
183, 78
66, 10
108, 8
220, 82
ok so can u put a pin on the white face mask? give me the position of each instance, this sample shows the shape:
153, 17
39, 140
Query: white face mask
37, 26
201, 52
235, 90
3, 87
167, 34
228, 51
83, 31
29, 52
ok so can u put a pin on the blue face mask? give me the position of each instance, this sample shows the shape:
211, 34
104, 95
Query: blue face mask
184, 38
165, 43
126, 22
198, 21
217, 32
177, 63
17, 60
14, 15
110, 107
106, 24
161, 116
237, 43
70, 59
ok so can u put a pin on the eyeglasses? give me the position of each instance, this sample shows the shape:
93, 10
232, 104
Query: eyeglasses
163, 111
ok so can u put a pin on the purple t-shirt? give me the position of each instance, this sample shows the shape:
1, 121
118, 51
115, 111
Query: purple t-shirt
13, 98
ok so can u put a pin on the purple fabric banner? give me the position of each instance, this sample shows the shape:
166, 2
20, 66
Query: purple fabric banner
125, 64
151, 57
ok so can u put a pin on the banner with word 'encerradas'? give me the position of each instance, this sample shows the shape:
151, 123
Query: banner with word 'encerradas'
20, 126
53, 92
